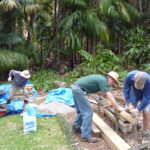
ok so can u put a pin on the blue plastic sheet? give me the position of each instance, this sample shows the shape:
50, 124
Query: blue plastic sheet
61, 94
6, 88
16, 106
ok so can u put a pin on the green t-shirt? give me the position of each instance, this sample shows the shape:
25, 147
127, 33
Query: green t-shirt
94, 83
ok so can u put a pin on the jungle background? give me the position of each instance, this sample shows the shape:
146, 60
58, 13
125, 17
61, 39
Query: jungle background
67, 39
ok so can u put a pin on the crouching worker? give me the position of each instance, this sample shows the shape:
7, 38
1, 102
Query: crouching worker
137, 89
80, 89
18, 80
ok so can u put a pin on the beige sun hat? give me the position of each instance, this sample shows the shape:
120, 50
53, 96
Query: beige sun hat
139, 80
25, 74
113, 75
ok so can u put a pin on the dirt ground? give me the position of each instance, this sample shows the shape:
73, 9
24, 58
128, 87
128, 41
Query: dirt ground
130, 137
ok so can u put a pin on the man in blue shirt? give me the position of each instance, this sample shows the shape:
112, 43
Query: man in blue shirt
137, 89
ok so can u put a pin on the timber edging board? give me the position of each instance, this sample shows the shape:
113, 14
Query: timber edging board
114, 141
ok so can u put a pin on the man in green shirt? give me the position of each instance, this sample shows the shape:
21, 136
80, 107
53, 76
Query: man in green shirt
80, 89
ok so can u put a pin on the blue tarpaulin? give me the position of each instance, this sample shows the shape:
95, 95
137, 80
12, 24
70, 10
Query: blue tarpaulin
16, 106
61, 94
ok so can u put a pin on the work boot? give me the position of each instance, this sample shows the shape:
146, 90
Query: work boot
90, 140
138, 126
8, 101
145, 136
76, 129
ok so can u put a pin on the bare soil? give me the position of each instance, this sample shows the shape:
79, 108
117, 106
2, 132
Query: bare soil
130, 138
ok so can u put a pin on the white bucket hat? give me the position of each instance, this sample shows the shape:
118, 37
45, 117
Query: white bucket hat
25, 74
139, 80
113, 75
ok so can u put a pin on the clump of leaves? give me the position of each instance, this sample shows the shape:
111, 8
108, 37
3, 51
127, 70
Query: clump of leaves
43, 80
137, 47
104, 61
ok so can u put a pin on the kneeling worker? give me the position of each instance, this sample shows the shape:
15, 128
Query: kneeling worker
137, 89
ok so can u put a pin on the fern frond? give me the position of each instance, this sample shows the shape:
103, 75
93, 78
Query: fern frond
10, 38
9, 60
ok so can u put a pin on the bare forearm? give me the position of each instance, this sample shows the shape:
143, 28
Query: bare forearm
112, 100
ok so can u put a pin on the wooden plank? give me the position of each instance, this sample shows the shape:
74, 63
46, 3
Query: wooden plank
141, 146
29, 86
124, 127
122, 114
95, 131
114, 141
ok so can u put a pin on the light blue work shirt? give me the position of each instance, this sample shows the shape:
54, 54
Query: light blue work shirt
142, 95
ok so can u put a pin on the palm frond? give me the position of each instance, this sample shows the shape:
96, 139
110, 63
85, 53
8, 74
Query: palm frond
9, 60
133, 11
79, 3
44, 14
31, 8
124, 11
103, 6
97, 27
9, 4
10, 38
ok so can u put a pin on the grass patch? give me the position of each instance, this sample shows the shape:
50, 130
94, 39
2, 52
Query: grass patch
66, 129
49, 135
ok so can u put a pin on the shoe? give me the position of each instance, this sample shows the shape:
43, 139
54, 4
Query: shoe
90, 140
8, 101
138, 126
145, 136
76, 130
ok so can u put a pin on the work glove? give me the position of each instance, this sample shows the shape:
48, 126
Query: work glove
134, 113
9, 79
121, 109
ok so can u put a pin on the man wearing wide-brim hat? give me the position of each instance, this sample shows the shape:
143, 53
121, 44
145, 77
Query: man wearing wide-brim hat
137, 89
19, 80
80, 89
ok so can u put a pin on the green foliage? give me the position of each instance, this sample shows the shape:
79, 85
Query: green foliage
137, 47
104, 61
28, 49
12, 60
9, 39
117, 9
43, 80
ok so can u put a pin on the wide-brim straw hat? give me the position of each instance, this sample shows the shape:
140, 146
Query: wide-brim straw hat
25, 74
113, 75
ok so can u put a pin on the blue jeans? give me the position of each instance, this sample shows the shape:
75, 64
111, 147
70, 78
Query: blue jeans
84, 111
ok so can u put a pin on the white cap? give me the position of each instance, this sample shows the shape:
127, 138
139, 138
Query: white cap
139, 80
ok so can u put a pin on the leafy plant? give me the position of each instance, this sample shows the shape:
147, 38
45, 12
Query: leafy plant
137, 47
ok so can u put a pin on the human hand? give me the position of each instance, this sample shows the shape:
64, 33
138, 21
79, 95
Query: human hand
134, 113
9, 79
130, 107
121, 109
